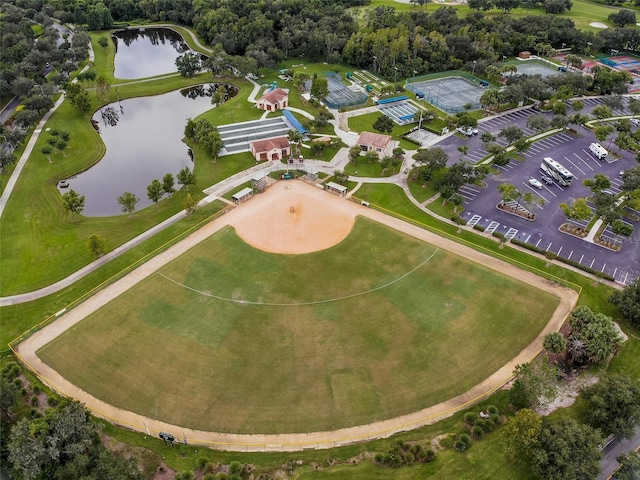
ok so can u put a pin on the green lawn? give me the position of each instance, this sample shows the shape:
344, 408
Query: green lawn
363, 167
330, 365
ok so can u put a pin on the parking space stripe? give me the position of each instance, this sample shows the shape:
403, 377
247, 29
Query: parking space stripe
581, 171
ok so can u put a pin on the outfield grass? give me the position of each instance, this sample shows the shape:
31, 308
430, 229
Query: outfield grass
330, 365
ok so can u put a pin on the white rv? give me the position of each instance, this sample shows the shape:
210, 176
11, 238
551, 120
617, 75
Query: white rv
599, 151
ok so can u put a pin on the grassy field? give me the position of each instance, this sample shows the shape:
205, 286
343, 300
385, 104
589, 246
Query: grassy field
329, 365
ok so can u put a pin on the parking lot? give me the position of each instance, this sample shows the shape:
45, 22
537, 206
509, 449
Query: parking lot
573, 152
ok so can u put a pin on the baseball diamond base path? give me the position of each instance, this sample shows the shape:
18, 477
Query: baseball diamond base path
306, 199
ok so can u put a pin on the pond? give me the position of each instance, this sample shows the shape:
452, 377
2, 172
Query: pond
143, 139
142, 53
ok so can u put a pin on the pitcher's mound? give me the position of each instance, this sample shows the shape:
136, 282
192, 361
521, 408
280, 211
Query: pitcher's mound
293, 218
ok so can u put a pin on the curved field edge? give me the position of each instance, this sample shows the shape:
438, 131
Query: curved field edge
389, 353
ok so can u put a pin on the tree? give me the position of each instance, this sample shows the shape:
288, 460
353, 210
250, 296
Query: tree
631, 179
623, 17
319, 88
168, 183
535, 382
629, 466
46, 150
601, 112
186, 177
578, 211
597, 333
354, 153
521, 145
614, 405
628, 302
511, 134
620, 228
188, 64
128, 202
8, 392
555, 343
383, 124
521, 434
72, 202
603, 131
191, 203
155, 191
538, 122
97, 245
599, 183
506, 5
64, 444
81, 102
566, 450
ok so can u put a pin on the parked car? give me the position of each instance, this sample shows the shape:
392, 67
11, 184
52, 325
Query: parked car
468, 131
535, 183
635, 122
621, 173
546, 179
63, 184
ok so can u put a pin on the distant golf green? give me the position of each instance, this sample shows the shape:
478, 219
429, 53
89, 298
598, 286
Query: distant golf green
377, 326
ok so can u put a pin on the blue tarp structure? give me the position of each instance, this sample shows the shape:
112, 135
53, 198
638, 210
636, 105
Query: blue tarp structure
382, 101
294, 121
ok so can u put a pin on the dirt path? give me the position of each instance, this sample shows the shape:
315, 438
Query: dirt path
280, 194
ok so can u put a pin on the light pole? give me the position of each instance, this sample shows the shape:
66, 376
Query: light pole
374, 64
473, 71
438, 99
414, 74
395, 75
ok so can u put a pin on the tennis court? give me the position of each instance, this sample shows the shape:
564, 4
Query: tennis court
449, 94
340, 95
622, 62
401, 112
534, 68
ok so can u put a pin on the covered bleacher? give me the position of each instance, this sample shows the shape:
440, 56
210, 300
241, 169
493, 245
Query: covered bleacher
294, 122
336, 188
242, 196
384, 101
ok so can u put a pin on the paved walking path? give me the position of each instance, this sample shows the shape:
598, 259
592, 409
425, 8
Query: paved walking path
296, 441
13, 179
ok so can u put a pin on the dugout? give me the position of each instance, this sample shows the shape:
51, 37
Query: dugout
242, 196
336, 188
260, 181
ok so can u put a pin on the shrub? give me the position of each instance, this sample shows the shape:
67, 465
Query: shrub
17, 382
550, 255
478, 227
498, 235
462, 442
235, 467
36, 389
458, 220
34, 401
429, 455
209, 476
221, 476
482, 423
492, 409
470, 418
201, 463
477, 432
379, 458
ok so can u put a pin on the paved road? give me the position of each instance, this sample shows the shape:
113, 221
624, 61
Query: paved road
613, 450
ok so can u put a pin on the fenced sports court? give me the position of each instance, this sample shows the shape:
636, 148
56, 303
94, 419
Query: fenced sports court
340, 95
622, 62
401, 112
449, 94
535, 68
